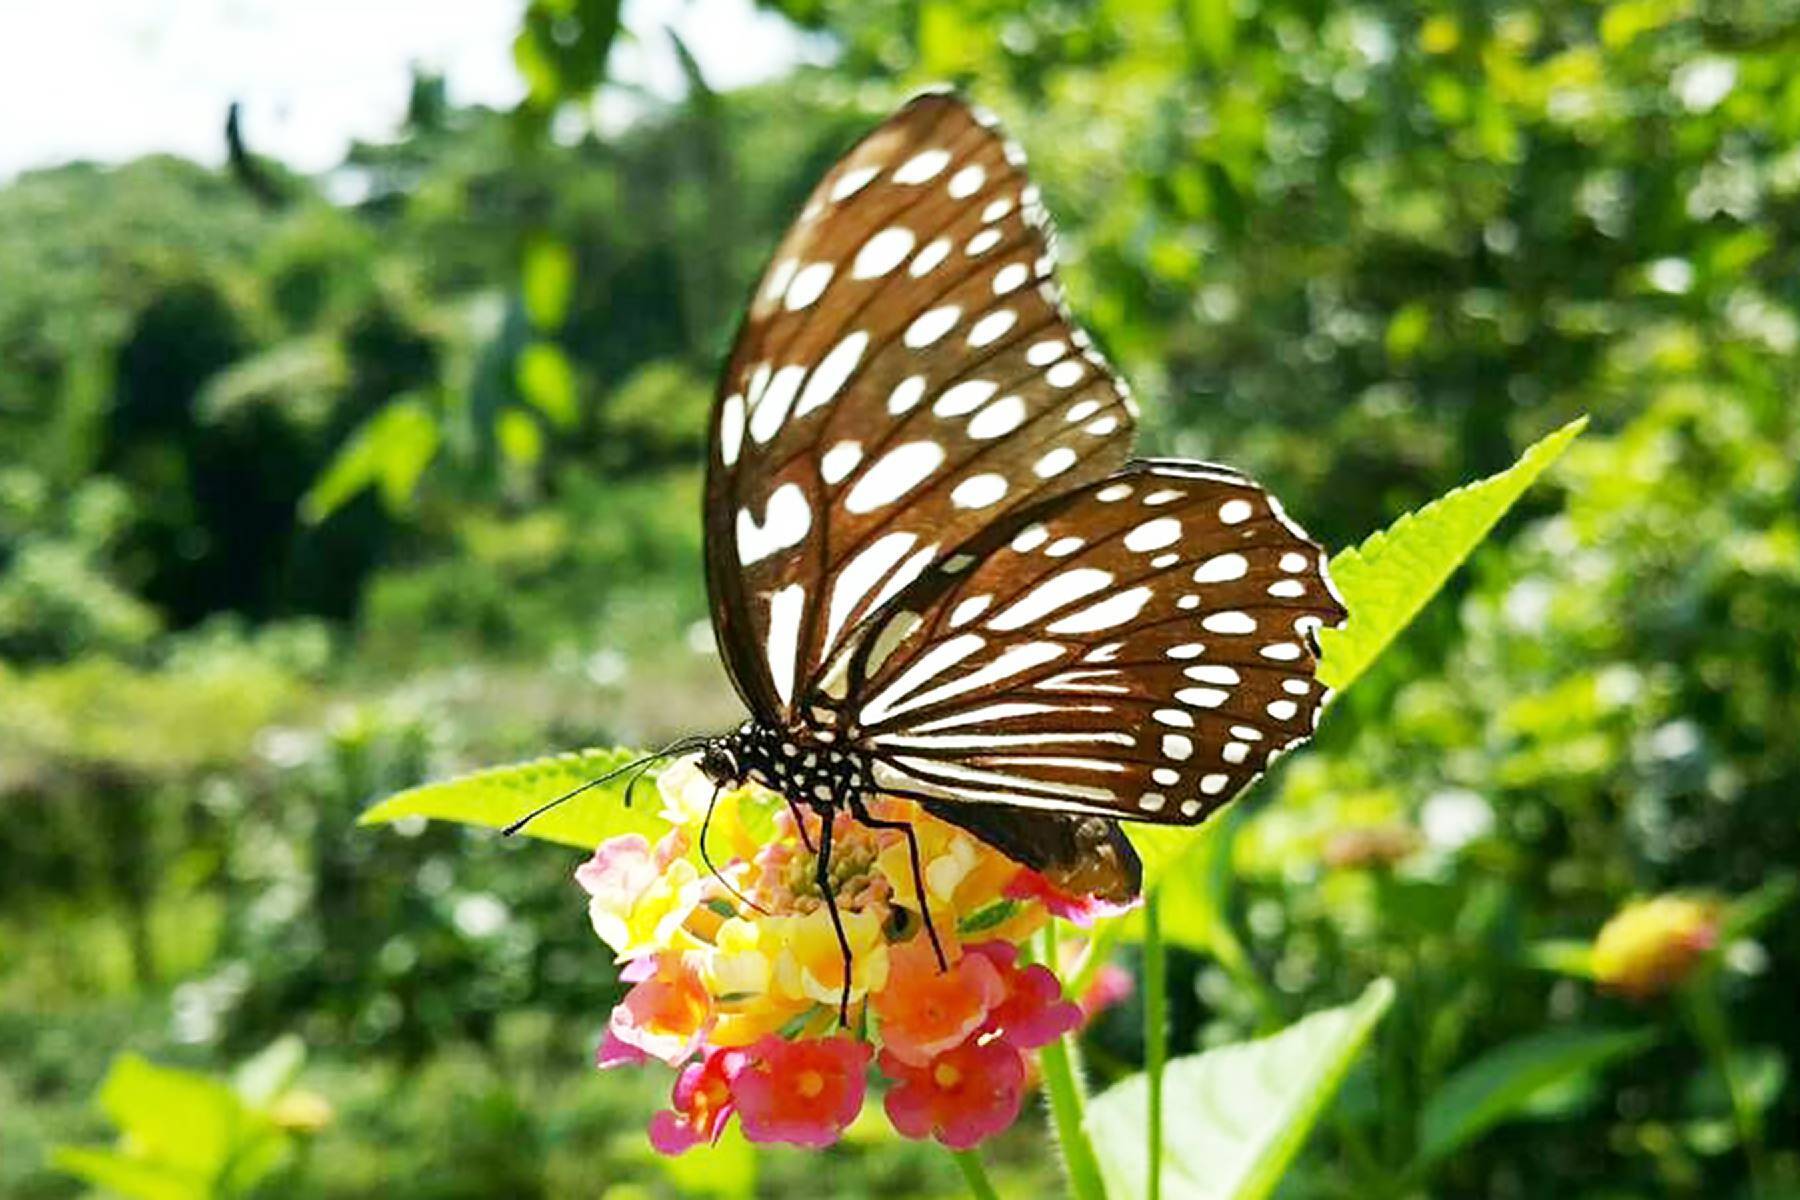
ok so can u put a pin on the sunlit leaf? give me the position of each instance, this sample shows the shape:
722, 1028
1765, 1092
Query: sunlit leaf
547, 382
520, 437
547, 279
120, 1174
185, 1136
1237, 1114
1507, 1081
1391, 576
497, 797
390, 451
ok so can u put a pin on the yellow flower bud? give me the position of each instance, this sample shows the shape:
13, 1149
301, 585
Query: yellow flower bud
1650, 947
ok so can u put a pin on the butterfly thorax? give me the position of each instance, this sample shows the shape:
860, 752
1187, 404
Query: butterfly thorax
789, 763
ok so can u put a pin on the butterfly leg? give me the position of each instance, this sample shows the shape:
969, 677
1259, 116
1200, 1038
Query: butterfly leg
823, 877
706, 858
861, 811
800, 827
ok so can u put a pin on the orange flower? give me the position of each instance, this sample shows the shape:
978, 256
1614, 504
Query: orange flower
924, 1011
668, 1011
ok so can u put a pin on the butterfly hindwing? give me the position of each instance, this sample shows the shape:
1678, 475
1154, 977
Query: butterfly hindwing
1140, 649
905, 377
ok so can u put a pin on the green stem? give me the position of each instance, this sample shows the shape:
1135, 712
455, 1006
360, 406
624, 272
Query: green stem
1156, 1031
1060, 1062
1712, 1029
975, 1175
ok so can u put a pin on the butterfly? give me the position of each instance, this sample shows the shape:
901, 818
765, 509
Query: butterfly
934, 571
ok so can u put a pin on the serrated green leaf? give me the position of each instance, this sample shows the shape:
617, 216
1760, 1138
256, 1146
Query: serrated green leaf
1237, 1114
498, 796
1506, 1081
1391, 576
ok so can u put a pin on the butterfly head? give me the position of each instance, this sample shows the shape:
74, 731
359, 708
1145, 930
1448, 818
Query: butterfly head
721, 762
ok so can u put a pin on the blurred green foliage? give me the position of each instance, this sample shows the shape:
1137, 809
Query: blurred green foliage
309, 493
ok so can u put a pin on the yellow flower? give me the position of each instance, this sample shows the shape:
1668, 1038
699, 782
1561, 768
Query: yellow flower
638, 898
810, 964
961, 875
740, 964
1650, 947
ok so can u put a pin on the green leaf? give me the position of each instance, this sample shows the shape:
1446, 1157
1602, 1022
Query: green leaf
1239, 1113
1507, 1081
1391, 576
390, 451
185, 1120
497, 797
183, 1135
115, 1172
547, 381
1565, 956
547, 280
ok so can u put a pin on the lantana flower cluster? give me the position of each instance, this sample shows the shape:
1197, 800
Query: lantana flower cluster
735, 978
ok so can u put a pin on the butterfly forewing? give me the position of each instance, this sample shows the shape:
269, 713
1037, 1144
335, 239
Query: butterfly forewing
905, 378
1139, 648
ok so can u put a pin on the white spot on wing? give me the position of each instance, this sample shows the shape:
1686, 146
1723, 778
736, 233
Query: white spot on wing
839, 461
906, 394
1062, 588
731, 428
1114, 610
964, 397
1054, 463
786, 607
992, 327
1235, 512
833, 371
784, 523
930, 326
1229, 622
927, 259
883, 252
1221, 568
809, 284
771, 413
852, 182
979, 491
1153, 535
966, 182
998, 419
922, 166
894, 474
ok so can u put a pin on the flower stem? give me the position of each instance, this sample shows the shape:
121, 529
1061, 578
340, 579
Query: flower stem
1061, 1065
1156, 1032
975, 1175
1706, 1017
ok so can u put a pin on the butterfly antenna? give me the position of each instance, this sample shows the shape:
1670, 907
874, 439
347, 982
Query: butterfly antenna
680, 746
706, 858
